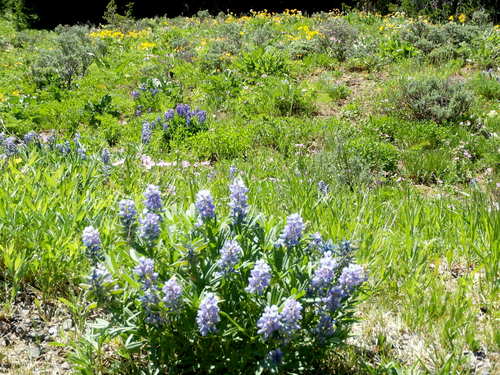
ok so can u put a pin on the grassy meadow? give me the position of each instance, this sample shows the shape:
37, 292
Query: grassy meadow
381, 130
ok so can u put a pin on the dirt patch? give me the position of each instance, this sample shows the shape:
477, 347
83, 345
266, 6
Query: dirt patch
27, 335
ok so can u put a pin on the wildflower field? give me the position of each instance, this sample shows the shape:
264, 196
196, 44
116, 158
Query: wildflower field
259, 194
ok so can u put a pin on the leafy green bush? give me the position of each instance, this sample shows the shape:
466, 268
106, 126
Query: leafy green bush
338, 91
282, 97
487, 84
431, 98
72, 55
378, 156
260, 62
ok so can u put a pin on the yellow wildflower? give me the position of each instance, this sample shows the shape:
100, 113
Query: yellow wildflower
16, 93
146, 45
381, 28
451, 18
462, 17
2, 97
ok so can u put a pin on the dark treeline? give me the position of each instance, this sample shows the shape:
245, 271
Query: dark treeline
50, 13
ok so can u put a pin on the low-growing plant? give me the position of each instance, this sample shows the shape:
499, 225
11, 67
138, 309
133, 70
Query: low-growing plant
338, 91
487, 84
260, 62
432, 98
220, 293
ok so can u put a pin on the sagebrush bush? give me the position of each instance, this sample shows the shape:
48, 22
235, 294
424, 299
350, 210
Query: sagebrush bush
432, 98
72, 55
337, 37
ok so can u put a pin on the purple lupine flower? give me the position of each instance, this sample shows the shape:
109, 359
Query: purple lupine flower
172, 292
292, 233
333, 298
169, 115
323, 187
31, 137
290, 316
138, 110
149, 227
135, 94
150, 303
232, 171
105, 156
147, 132
127, 212
200, 114
269, 322
315, 241
10, 146
352, 276
205, 206
92, 241
275, 356
182, 109
343, 249
64, 148
145, 270
98, 277
238, 200
154, 91
152, 199
325, 326
325, 272
80, 150
51, 140
260, 277
230, 255
208, 314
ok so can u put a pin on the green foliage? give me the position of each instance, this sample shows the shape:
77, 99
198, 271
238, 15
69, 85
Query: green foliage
432, 98
261, 62
487, 84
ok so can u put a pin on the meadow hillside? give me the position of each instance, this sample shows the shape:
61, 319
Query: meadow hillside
270, 193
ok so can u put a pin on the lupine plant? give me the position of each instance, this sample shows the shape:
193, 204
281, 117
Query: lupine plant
219, 294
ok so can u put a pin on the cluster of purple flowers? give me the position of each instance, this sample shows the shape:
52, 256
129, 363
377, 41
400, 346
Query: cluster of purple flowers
99, 277
105, 156
323, 187
208, 314
172, 293
230, 255
238, 200
285, 322
80, 150
205, 205
292, 233
149, 227
92, 241
31, 137
150, 299
332, 282
127, 213
260, 277
152, 199
185, 111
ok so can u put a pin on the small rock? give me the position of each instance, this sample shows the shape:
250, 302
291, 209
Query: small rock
34, 351
67, 324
